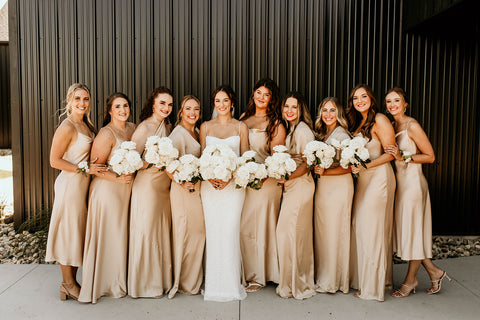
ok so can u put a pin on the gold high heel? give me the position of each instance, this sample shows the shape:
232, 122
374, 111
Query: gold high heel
401, 294
64, 293
437, 284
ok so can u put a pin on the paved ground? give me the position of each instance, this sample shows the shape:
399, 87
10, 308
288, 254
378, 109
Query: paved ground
32, 292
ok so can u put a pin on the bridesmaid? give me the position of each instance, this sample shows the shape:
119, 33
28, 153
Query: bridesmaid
105, 255
188, 225
261, 207
372, 213
413, 217
333, 206
70, 146
149, 254
295, 229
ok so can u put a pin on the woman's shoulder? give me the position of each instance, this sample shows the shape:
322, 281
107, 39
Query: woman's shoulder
303, 128
341, 133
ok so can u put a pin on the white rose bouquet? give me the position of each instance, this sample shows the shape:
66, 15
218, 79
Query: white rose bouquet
83, 168
249, 173
354, 153
280, 164
126, 159
319, 153
185, 169
159, 152
218, 162
406, 156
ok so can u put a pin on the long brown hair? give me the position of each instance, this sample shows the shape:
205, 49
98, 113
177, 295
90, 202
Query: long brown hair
304, 114
355, 118
182, 105
109, 102
273, 110
320, 126
68, 108
147, 109
398, 91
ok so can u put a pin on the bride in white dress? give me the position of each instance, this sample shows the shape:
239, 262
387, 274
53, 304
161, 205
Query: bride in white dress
222, 205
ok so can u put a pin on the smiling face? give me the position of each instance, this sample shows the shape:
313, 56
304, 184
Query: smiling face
262, 97
361, 100
162, 106
120, 109
79, 103
291, 110
329, 114
190, 112
395, 103
223, 103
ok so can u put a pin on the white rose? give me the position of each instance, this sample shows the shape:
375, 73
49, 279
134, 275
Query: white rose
128, 145
290, 165
364, 154
172, 166
280, 148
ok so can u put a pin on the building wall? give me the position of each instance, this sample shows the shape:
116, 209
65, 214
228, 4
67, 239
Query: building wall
321, 48
5, 129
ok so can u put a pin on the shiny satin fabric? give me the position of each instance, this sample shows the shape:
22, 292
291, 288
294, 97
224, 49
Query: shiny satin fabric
66, 234
188, 225
332, 220
259, 222
295, 226
372, 226
413, 216
149, 255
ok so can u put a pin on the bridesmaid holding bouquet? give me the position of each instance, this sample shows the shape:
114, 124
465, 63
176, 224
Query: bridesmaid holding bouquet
188, 225
149, 255
70, 149
106, 239
413, 216
262, 206
295, 222
333, 205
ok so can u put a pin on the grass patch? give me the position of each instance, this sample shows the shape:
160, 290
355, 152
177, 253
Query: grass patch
5, 174
39, 222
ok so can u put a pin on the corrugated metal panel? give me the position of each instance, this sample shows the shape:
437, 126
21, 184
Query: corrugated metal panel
5, 109
321, 48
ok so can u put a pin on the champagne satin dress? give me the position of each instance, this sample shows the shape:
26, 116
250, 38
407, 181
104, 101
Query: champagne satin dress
66, 235
295, 226
333, 207
259, 221
188, 224
106, 240
149, 255
413, 215
372, 226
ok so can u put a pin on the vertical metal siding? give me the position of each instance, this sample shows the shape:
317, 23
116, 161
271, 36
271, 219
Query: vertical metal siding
321, 48
5, 109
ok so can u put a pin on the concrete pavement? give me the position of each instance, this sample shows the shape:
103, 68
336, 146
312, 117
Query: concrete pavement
32, 292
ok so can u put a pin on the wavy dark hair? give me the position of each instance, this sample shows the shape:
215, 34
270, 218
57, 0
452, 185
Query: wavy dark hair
182, 106
109, 102
230, 93
303, 113
273, 108
320, 126
147, 109
355, 118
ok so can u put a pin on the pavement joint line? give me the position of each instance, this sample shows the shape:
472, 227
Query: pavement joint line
464, 287
23, 276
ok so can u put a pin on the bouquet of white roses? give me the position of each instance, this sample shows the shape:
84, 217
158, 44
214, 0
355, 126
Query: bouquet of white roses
185, 169
354, 152
406, 156
319, 153
83, 168
159, 152
280, 164
126, 159
249, 173
218, 162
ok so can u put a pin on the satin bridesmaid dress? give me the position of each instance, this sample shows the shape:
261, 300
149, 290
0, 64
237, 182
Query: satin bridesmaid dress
295, 226
332, 219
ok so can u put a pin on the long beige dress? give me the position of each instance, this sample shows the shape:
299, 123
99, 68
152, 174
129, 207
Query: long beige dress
295, 226
105, 257
413, 216
66, 235
372, 226
333, 206
149, 255
259, 221
188, 225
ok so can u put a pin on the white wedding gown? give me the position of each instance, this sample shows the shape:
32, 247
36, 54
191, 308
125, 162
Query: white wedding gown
222, 210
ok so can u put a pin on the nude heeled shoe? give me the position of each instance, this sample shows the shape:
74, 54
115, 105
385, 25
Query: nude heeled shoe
402, 294
437, 284
65, 292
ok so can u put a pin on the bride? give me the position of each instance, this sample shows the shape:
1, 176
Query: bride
222, 205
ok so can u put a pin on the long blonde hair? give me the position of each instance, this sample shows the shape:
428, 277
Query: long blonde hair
68, 108
320, 126
182, 105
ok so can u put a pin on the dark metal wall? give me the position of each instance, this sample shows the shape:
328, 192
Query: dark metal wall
5, 129
320, 48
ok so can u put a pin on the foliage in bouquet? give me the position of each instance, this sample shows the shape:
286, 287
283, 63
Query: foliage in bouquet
354, 152
249, 173
83, 168
280, 164
185, 169
319, 153
126, 159
406, 156
218, 162
159, 152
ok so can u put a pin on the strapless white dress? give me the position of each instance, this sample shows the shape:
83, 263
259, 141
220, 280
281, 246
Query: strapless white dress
222, 210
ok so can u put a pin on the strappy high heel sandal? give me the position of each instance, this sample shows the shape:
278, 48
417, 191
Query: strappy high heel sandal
402, 294
437, 284
65, 292
253, 287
